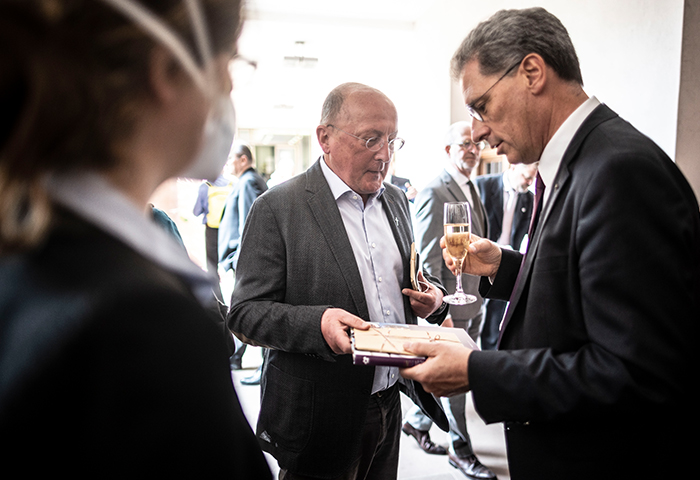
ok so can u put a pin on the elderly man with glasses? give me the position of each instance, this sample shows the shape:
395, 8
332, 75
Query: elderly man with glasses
452, 185
321, 253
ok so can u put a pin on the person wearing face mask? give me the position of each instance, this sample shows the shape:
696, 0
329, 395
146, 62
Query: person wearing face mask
111, 364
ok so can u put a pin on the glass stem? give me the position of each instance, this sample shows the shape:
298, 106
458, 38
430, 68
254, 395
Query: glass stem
458, 277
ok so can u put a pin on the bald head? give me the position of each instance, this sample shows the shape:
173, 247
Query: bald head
337, 98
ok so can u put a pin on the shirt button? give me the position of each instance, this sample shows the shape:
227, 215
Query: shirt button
380, 279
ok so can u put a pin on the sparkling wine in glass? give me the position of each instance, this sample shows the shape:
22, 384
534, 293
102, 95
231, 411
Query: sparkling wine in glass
458, 229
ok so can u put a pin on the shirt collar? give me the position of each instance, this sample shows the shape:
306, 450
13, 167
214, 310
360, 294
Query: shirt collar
93, 198
556, 147
507, 186
338, 186
458, 176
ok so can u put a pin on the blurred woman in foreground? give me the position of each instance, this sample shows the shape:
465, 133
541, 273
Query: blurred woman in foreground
110, 364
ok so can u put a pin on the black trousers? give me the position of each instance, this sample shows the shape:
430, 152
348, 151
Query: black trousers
379, 453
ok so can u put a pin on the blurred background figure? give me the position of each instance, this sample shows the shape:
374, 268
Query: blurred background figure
111, 362
508, 202
211, 198
401, 182
248, 187
461, 158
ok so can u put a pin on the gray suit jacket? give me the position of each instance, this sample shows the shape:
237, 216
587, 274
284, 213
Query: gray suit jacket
429, 229
296, 261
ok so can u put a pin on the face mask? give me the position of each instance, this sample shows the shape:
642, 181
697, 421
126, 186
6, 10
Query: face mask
221, 122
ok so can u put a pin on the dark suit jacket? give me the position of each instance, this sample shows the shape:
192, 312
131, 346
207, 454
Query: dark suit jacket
248, 187
296, 261
491, 191
429, 213
111, 368
598, 357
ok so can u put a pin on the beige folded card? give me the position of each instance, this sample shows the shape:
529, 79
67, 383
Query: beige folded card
389, 338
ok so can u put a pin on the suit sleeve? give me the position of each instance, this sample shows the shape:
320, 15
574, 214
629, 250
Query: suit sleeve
261, 312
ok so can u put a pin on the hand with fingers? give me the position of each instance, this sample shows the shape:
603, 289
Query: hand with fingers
335, 327
444, 373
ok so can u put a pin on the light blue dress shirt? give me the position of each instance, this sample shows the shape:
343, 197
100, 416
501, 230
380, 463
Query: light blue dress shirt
378, 259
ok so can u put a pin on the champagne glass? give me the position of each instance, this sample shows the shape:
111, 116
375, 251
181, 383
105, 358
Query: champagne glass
458, 230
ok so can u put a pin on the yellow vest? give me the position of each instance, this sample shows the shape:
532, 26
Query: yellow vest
217, 200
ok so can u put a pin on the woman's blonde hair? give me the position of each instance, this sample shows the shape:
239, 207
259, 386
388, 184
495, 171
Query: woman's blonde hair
73, 75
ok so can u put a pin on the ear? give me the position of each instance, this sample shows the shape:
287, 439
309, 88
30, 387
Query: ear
447, 149
165, 75
323, 138
535, 69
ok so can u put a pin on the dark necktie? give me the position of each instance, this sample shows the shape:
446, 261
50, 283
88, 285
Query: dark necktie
536, 208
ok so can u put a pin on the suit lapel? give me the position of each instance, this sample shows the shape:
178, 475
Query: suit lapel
479, 212
496, 199
599, 115
459, 196
325, 210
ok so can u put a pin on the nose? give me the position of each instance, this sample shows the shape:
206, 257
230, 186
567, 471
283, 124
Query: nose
384, 154
480, 131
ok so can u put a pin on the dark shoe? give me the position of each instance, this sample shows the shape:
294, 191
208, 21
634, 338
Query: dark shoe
471, 467
423, 439
254, 379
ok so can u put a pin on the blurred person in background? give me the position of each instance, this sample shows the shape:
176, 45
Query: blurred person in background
110, 363
508, 202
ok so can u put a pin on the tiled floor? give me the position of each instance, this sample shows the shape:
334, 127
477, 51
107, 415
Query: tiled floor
414, 464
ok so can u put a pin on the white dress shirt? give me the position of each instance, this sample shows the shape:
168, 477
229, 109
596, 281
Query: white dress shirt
93, 198
462, 180
556, 147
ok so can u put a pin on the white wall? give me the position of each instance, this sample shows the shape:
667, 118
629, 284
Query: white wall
629, 52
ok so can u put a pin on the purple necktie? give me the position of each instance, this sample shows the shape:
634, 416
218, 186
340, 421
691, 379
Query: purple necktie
536, 210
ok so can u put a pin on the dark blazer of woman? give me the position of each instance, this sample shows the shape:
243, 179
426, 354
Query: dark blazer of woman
105, 356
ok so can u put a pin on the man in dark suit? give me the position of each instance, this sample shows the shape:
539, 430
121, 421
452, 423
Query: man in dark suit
452, 185
596, 358
249, 186
508, 203
402, 182
326, 251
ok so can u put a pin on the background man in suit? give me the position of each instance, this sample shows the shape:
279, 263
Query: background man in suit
596, 357
452, 185
508, 204
402, 182
249, 186
326, 251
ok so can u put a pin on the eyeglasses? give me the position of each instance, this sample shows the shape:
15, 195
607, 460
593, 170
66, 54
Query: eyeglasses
467, 144
472, 108
374, 144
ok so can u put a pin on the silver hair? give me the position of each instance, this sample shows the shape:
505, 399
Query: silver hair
510, 35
